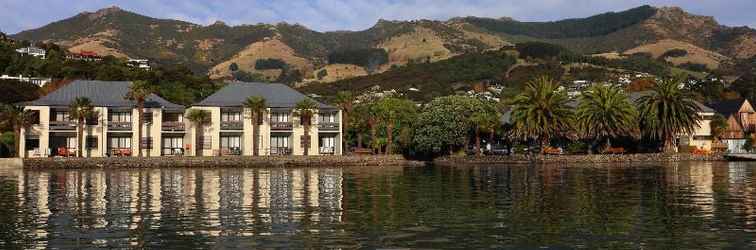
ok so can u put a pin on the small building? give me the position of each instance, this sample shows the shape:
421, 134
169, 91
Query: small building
39, 81
33, 51
112, 133
84, 55
281, 131
741, 122
139, 64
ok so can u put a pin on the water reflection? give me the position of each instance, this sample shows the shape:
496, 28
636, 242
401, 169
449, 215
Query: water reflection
683, 205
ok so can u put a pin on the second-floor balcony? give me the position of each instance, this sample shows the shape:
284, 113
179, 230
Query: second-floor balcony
280, 151
232, 125
62, 125
328, 126
281, 125
173, 126
120, 126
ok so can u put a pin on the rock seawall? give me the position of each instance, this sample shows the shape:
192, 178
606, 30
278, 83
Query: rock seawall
230, 161
525, 159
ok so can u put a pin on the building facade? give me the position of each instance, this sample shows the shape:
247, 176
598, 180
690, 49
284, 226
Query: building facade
741, 122
112, 133
281, 131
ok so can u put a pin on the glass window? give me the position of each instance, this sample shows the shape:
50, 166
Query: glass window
327, 142
62, 116
328, 117
230, 142
279, 141
120, 116
72, 142
279, 117
231, 116
172, 145
91, 142
120, 142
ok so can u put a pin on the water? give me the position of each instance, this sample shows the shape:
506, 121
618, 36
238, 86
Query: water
686, 205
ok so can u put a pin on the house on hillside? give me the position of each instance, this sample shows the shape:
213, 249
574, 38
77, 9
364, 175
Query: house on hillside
281, 131
33, 51
84, 55
139, 64
112, 133
741, 122
39, 81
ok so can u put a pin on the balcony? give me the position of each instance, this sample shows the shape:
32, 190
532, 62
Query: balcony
328, 126
232, 125
62, 125
327, 150
280, 151
281, 126
119, 126
173, 126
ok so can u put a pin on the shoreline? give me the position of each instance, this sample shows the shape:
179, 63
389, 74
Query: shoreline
220, 162
567, 159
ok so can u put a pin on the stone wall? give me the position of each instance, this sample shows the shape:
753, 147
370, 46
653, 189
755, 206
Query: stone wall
230, 161
597, 158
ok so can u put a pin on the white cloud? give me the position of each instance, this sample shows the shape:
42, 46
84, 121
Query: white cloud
17, 15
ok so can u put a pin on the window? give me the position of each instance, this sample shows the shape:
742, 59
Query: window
232, 142
279, 117
120, 117
279, 141
35, 116
91, 142
71, 142
62, 116
327, 118
231, 116
173, 145
32, 144
120, 142
327, 142
148, 117
146, 142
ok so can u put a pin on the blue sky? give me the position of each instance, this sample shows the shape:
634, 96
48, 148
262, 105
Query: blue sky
329, 15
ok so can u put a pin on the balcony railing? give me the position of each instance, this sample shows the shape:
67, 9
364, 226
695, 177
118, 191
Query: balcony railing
119, 125
280, 151
327, 150
328, 126
62, 125
281, 125
232, 125
173, 126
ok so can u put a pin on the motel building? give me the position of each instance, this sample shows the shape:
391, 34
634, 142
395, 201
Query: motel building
166, 132
281, 131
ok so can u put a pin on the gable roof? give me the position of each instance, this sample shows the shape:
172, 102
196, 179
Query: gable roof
101, 93
276, 95
728, 107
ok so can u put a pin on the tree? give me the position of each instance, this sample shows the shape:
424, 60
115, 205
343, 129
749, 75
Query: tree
393, 112
606, 112
748, 144
345, 101
718, 126
540, 112
138, 92
17, 118
668, 111
256, 105
199, 118
233, 67
487, 120
305, 109
81, 110
443, 124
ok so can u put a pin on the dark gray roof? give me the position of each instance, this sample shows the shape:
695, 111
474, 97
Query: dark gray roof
101, 93
634, 96
728, 107
276, 95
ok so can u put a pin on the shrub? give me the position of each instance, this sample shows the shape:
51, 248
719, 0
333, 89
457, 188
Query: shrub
270, 63
577, 147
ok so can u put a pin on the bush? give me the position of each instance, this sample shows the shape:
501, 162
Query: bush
323, 73
370, 59
577, 147
270, 63
674, 53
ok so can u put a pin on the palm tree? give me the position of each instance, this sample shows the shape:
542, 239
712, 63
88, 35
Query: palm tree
345, 101
393, 111
257, 106
199, 118
17, 118
305, 109
81, 110
605, 112
668, 111
138, 92
489, 121
540, 111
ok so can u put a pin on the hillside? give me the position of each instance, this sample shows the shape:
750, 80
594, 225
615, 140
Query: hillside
220, 50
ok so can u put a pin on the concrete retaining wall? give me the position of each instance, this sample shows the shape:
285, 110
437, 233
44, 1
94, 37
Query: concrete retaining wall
525, 159
230, 161
11, 163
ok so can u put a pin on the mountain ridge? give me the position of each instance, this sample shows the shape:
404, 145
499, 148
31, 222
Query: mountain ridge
212, 49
